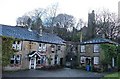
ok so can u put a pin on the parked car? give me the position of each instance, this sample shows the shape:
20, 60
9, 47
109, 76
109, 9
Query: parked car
68, 64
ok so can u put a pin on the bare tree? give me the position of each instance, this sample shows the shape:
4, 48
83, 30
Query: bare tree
23, 21
50, 15
32, 18
80, 24
106, 24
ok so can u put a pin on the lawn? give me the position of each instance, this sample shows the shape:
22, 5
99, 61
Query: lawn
112, 76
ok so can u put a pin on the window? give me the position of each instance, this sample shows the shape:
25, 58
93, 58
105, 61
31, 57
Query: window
16, 45
38, 61
12, 60
42, 47
96, 48
41, 60
96, 60
82, 59
83, 48
19, 45
52, 51
52, 48
59, 47
39, 45
15, 59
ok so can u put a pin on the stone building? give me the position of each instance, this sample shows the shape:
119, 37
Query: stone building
89, 52
33, 50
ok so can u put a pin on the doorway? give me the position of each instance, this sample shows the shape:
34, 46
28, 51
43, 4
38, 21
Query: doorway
61, 61
32, 64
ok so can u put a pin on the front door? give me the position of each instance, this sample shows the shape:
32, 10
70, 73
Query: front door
32, 64
61, 61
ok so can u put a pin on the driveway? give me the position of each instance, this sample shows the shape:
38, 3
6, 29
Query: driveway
59, 73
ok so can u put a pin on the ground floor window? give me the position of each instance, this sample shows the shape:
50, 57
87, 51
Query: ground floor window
15, 59
41, 60
12, 60
96, 60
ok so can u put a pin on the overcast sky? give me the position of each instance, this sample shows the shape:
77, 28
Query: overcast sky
11, 9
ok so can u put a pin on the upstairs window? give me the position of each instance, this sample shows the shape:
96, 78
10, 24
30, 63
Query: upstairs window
96, 48
82, 48
17, 45
52, 48
42, 47
14, 45
59, 47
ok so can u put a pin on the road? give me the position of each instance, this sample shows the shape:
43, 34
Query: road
59, 73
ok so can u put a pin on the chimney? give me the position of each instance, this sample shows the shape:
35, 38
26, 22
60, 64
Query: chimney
29, 27
40, 32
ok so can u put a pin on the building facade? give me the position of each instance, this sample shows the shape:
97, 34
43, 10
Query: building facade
33, 50
90, 52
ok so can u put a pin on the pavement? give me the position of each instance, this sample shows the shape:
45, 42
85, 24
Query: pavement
58, 73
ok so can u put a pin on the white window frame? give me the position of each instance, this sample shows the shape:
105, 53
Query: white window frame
43, 47
14, 45
96, 48
82, 48
18, 59
12, 58
17, 46
96, 60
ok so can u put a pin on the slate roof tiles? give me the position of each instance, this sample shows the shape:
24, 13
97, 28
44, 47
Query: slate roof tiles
25, 34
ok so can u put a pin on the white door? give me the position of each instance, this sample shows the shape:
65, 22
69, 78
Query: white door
32, 64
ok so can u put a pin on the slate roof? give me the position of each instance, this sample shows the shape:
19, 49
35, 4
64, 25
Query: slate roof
25, 34
98, 41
